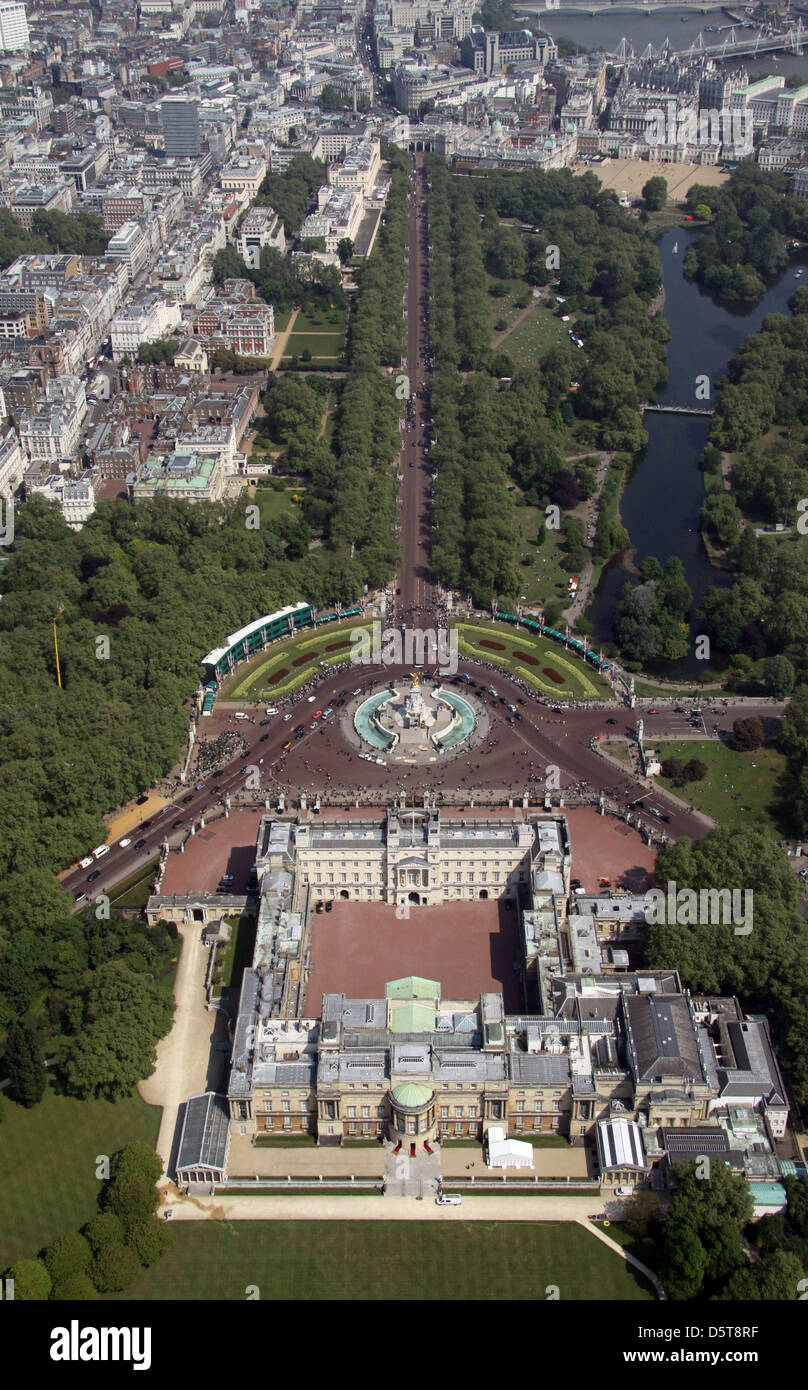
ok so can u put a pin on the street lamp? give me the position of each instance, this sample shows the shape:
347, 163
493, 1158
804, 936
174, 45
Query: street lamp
59, 609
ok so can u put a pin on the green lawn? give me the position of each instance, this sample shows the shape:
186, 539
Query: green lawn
575, 681
48, 1158
332, 321
274, 503
506, 308
739, 788
379, 1260
618, 748
136, 890
535, 335
255, 680
238, 952
544, 577
319, 344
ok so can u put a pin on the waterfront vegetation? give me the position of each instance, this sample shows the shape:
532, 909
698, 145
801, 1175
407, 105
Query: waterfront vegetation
746, 242
369, 1260
605, 266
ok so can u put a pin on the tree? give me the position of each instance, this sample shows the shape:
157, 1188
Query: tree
139, 1158
684, 1262
778, 1276
655, 193
345, 250
748, 734
104, 1229
150, 1240
32, 1283
132, 1198
75, 1288
114, 1268
641, 1212
26, 1071
701, 212
67, 1255
779, 676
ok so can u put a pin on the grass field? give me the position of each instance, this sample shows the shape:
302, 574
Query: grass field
505, 308
275, 504
739, 788
544, 578
255, 681
618, 748
535, 335
332, 321
575, 681
48, 1158
319, 344
375, 1260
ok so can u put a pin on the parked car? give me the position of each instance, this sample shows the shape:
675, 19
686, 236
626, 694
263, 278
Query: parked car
624, 1192
263, 738
85, 863
96, 873
139, 844
123, 843
176, 825
448, 1199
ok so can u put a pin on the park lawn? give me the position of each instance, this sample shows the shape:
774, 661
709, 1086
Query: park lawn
274, 503
618, 748
545, 577
334, 320
379, 1260
739, 789
318, 344
576, 681
535, 335
510, 305
282, 318
48, 1158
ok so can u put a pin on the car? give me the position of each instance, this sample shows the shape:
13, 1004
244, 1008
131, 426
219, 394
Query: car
217, 788
287, 746
286, 718
240, 714
448, 1199
311, 698
299, 735
262, 722
511, 719
96, 873
145, 825
226, 878
313, 724
243, 770
611, 721
100, 850
200, 786
187, 798
329, 906
85, 863
176, 825
327, 713
79, 897
318, 714
169, 1213
123, 843
654, 710
263, 738
139, 844
624, 1192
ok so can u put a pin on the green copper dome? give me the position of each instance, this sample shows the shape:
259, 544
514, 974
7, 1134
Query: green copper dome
412, 1094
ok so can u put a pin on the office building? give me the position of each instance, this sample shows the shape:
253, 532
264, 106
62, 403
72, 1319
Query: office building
180, 121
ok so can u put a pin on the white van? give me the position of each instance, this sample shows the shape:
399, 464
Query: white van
271, 709
102, 850
448, 1199
240, 714
86, 863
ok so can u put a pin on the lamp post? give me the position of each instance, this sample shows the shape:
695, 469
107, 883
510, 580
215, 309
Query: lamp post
60, 609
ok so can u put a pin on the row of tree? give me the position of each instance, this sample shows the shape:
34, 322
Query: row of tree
110, 1251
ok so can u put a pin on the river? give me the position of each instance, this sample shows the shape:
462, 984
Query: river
663, 497
682, 27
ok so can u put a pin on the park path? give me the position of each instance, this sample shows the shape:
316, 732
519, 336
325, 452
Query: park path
323, 1207
520, 318
184, 1055
281, 341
